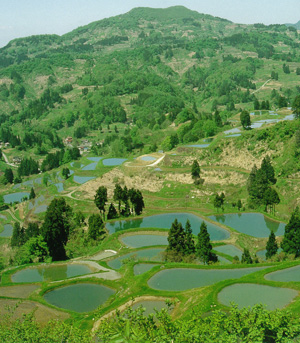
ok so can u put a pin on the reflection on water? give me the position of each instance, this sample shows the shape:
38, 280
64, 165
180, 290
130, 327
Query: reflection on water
164, 221
252, 224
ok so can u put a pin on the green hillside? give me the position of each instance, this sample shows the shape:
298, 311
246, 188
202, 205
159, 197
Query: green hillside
163, 112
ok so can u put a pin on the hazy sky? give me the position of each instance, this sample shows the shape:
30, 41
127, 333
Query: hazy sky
21, 18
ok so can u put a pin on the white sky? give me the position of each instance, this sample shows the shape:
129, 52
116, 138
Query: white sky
21, 18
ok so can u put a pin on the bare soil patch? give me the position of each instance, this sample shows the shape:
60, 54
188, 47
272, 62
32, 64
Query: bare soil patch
22, 292
42, 313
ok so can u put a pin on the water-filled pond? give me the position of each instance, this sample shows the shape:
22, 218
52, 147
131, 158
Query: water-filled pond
143, 240
41, 209
234, 135
150, 306
181, 279
153, 254
142, 268
60, 187
285, 275
247, 294
51, 273
232, 131
157, 169
230, 250
252, 224
81, 297
164, 221
113, 161
7, 232
91, 166
148, 158
13, 197
262, 253
82, 179
197, 146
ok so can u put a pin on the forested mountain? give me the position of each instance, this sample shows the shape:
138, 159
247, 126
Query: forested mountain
147, 68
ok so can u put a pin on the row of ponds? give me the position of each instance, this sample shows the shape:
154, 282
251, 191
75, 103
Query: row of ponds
252, 224
85, 297
108, 162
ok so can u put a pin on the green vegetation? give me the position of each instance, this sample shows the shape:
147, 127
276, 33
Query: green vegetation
128, 86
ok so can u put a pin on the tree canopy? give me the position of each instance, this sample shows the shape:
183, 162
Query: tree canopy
56, 226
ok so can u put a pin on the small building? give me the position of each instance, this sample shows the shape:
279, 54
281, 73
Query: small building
17, 160
68, 140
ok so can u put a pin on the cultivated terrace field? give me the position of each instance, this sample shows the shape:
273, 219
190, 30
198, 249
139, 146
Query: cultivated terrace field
150, 182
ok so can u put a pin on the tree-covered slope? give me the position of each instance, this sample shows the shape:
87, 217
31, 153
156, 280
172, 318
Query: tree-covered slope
148, 68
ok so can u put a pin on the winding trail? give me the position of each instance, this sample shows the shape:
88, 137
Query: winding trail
261, 87
6, 160
156, 162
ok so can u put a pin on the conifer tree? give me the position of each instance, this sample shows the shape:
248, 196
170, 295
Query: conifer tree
101, 198
271, 246
268, 169
176, 238
32, 194
291, 239
112, 212
18, 235
203, 247
246, 258
118, 194
96, 227
32, 230
195, 170
8, 175
189, 241
56, 227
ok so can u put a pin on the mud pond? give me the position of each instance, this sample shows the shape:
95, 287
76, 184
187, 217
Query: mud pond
248, 294
164, 221
81, 297
51, 273
181, 279
252, 224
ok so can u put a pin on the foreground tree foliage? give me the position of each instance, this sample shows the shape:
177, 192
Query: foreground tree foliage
237, 325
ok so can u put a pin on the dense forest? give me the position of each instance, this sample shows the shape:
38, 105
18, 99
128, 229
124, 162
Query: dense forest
146, 69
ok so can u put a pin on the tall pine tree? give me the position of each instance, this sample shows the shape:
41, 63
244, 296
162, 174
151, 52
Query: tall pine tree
203, 247
189, 240
271, 246
291, 239
176, 238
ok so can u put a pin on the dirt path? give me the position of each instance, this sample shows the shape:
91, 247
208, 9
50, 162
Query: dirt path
13, 216
7, 161
257, 90
156, 162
